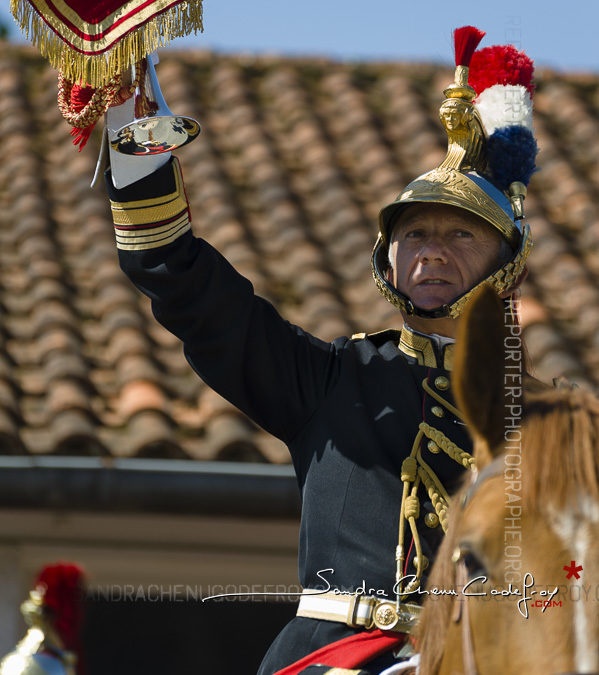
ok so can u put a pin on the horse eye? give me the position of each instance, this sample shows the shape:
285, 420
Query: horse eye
473, 565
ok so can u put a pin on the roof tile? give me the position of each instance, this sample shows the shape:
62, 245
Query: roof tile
295, 159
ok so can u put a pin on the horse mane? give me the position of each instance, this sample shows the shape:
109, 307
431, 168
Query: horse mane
560, 463
560, 458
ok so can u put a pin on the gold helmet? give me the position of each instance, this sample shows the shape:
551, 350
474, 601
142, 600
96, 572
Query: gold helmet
53, 613
490, 159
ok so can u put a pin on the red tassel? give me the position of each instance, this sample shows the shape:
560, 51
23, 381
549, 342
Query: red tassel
466, 39
80, 97
81, 136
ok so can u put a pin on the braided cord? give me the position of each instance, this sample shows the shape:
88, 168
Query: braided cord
413, 515
414, 471
112, 93
435, 492
448, 446
99, 103
409, 475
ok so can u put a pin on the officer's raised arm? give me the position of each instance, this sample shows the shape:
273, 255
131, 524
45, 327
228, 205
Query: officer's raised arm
237, 342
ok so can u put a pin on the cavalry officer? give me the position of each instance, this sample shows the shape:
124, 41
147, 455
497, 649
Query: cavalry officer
376, 442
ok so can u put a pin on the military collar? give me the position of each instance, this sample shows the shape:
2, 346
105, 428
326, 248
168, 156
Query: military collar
433, 350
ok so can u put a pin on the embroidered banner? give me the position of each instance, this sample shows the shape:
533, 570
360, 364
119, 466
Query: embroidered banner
91, 41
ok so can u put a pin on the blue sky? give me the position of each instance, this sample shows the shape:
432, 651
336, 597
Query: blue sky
556, 34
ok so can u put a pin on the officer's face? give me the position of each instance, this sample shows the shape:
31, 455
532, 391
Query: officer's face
441, 252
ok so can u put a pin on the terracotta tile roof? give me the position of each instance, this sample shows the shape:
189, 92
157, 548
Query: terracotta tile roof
294, 161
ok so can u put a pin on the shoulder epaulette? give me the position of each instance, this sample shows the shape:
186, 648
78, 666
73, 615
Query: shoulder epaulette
379, 338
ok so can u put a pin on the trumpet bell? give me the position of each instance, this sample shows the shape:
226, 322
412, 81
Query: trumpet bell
154, 135
159, 130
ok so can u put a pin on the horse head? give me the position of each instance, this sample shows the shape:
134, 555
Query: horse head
522, 548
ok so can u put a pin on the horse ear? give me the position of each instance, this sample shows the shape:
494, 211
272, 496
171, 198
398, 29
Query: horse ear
479, 371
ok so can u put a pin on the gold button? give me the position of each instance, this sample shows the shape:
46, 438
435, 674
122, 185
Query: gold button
442, 383
437, 410
433, 447
431, 520
424, 562
385, 616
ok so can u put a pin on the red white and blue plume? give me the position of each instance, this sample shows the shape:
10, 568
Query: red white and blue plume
502, 78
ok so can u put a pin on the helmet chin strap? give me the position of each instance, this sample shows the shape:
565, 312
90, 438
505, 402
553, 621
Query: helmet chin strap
442, 312
437, 313
445, 310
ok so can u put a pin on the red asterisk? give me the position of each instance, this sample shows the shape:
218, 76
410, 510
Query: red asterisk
573, 569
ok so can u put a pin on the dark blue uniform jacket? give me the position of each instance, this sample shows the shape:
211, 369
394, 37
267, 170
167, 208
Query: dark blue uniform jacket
348, 410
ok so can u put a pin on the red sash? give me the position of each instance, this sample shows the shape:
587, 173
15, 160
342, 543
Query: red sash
355, 650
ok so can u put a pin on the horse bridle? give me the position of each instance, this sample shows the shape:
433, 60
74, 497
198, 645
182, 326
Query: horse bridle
460, 610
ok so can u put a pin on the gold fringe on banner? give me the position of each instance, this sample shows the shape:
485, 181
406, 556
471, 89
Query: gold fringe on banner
97, 69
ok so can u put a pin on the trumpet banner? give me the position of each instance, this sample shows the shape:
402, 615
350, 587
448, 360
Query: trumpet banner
89, 41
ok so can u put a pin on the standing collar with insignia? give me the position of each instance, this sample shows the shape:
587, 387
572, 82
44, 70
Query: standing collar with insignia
435, 351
